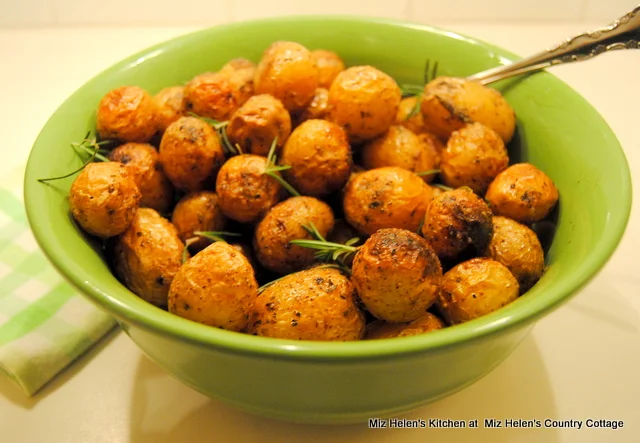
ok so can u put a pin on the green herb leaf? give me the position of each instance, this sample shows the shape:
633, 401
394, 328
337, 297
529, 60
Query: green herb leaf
428, 172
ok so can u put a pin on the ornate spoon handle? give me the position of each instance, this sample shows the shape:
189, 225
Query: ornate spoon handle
624, 33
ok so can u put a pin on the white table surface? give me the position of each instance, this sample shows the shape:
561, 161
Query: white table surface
581, 361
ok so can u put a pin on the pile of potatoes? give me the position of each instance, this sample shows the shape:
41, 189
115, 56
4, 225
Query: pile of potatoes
432, 225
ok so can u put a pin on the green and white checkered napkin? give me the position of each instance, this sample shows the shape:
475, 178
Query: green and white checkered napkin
44, 323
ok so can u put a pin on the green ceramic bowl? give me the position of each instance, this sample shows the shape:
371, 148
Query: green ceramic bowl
345, 382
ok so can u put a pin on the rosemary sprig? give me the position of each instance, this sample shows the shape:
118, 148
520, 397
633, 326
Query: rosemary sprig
325, 250
272, 169
89, 145
221, 129
185, 250
216, 235
443, 187
428, 172
430, 73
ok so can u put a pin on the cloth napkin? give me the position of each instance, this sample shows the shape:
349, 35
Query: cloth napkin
44, 324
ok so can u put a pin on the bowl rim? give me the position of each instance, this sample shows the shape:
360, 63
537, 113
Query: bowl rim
160, 321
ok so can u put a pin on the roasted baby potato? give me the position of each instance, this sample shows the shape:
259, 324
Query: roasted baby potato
396, 275
216, 95
435, 191
144, 165
522, 192
216, 287
329, 66
474, 156
388, 197
381, 329
475, 288
450, 102
364, 101
318, 107
315, 304
434, 146
171, 106
288, 72
518, 248
191, 154
238, 64
198, 211
319, 154
147, 256
283, 223
415, 122
104, 199
402, 148
257, 123
127, 114
245, 192
457, 221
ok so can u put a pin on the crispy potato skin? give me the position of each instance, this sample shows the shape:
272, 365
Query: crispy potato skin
104, 199
171, 106
282, 224
318, 107
320, 158
382, 329
396, 274
238, 64
128, 114
518, 248
389, 197
414, 123
190, 154
329, 66
245, 193
457, 220
288, 72
216, 95
434, 146
147, 256
216, 287
474, 156
364, 101
439, 117
198, 211
144, 165
315, 304
469, 102
257, 123
522, 192
475, 288
402, 148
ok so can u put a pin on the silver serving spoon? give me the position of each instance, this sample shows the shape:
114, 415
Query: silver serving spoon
624, 33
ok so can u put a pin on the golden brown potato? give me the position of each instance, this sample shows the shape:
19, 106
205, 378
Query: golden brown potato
127, 114
329, 66
198, 211
434, 146
518, 248
216, 287
216, 95
242, 73
474, 156
171, 106
396, 275
288, 72
283, 223
341, 233
191, 154
238, 64
318, 107
415, 123
245, 193
388, 197
465, 101
435, 191
320, 158
522, 192
257, 123
475, 288
402, 148
144, 165
364, 101
315, 304
104, 199
147, 256
456, 221
381, 329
